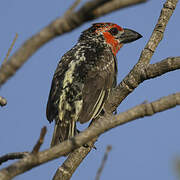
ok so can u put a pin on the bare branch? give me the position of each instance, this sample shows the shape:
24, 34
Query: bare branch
99, 172
115, 5
138, 74
162, 67
103, 124
158, 31
40, 140
13, 156
72, 8
10, 49
56, 28
3, 101
66, 170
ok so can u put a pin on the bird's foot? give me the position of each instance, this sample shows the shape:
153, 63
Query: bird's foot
85, 145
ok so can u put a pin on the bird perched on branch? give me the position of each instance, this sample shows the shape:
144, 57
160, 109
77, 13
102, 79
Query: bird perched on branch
84, 78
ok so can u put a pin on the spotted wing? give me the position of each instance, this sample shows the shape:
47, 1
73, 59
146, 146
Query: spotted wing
96, 90
56, 88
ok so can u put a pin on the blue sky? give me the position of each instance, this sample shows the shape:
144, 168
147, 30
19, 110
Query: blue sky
143, 149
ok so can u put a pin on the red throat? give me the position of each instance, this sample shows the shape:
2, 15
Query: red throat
114, 44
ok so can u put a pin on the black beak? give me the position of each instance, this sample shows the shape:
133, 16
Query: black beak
129, 36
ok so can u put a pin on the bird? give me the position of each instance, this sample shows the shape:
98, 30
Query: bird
84, 78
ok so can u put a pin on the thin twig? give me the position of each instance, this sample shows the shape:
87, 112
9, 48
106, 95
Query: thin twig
114, 5
72, 8
3, 101
158, 32
40, 140
10, 49
99, 172
13, 156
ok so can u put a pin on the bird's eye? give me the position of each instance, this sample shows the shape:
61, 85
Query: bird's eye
113, 31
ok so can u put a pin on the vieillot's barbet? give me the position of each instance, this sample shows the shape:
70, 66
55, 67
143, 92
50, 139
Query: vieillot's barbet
84, 78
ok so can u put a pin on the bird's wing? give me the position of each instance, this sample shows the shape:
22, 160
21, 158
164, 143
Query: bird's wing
95, 92
56, 88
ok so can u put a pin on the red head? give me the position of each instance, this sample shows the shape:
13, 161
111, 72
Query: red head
113, 35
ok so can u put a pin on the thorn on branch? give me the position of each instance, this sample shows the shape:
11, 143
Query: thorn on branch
99, 172
40, 140
12, 156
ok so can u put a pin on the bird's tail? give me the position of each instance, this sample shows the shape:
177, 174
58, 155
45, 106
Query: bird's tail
63, 131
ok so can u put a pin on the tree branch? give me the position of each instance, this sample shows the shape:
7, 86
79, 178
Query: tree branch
12, 156
10, 49
115, 5
158, 32
66, 170
167, 65
72, 7
56, 28
99, 172
103, 124
138, 74
40, 140
3, 101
